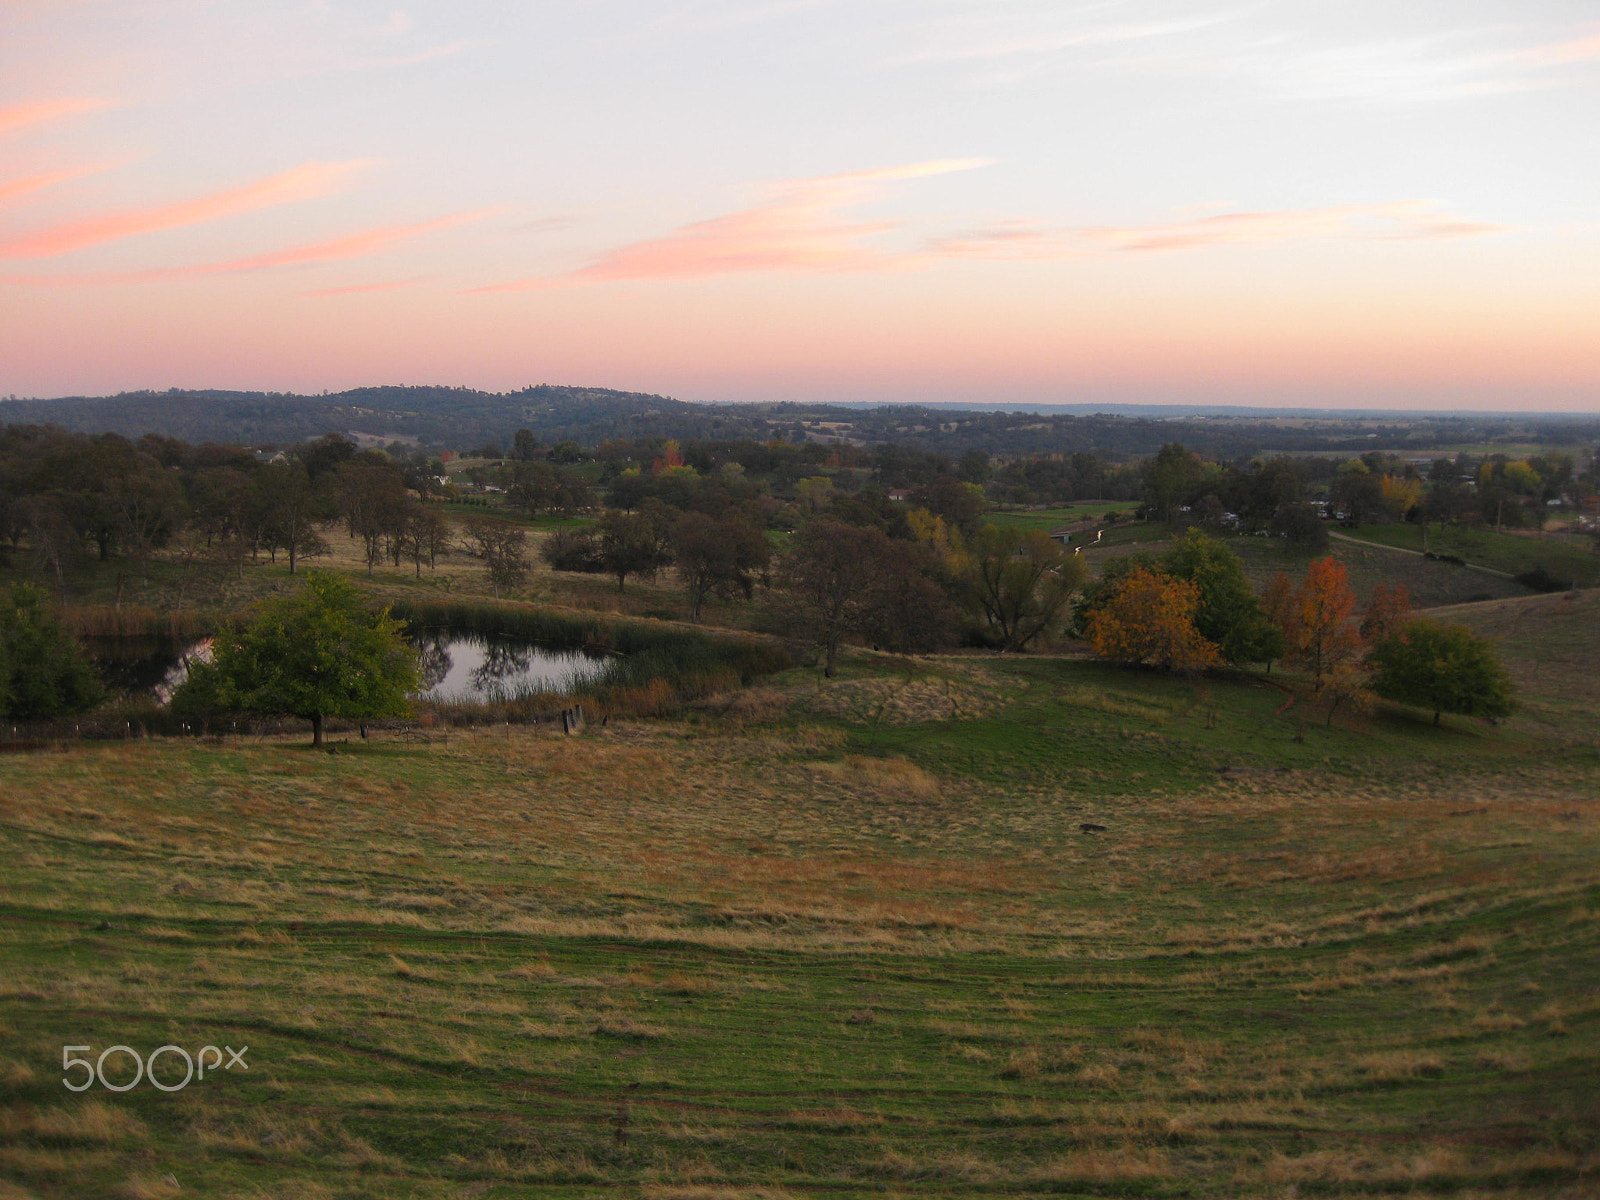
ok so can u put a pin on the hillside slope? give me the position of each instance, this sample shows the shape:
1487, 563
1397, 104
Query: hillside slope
1549, 645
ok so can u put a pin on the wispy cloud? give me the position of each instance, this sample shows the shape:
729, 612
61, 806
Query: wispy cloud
305, 182
798, 229
1458, 64
1406, 220
1247, 42
14, 189
32, 112
356, 245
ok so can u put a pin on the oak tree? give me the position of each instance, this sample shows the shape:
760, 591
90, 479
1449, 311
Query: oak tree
503, 548
1446, 668
316, 654
1227, 613
721, 556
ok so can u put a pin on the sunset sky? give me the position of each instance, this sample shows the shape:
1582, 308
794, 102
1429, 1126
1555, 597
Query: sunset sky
1291, 203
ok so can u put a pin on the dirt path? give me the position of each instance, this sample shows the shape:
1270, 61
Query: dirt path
1345, 537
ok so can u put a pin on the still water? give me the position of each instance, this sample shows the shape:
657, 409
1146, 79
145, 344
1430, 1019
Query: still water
460, 668
473, 667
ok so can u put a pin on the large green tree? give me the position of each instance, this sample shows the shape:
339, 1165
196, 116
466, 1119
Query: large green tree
316, 654
632, 544
1227, 612
1171, 477
1446, 668
43, 670
1020, 582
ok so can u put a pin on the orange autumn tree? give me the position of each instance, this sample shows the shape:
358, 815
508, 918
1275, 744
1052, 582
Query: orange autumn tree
1277, 602
1149, 618
1319, 629
671, 456
1387, 610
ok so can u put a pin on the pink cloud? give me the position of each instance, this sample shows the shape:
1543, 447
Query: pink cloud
797, 230
356, 245
1009, 239
14, 188
31, 112
302, 183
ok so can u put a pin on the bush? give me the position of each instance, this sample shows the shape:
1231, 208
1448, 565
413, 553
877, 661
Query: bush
43, 670
573, 550
1539, 579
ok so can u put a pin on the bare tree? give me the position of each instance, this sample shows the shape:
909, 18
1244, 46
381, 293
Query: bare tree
427, 533
372, 499
828, 578
503, 548
291, 511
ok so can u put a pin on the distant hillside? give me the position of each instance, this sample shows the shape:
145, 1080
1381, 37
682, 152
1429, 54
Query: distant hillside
434, 416
1548, 644
458, 418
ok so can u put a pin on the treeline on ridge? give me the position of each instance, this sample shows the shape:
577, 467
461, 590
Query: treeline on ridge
436, 417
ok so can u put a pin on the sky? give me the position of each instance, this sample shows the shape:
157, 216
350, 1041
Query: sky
1282, 202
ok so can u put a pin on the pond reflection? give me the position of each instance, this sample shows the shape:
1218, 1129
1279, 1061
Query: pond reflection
145, 666
460, 668
468, 667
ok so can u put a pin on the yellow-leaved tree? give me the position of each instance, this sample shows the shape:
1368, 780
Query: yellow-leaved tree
1149, 618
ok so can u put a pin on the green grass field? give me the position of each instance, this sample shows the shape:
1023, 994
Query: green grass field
845, 938
1049, 518
1513, 553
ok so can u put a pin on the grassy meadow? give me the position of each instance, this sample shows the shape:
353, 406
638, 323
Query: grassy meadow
205, 590
959, 926
1567, 556
1047, 519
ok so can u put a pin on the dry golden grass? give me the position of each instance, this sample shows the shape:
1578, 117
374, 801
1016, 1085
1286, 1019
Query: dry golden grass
150, 1187
643, 962
961, 689
89, 1123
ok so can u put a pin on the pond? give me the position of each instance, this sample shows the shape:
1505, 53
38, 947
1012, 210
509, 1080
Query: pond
456, 668
143, 666
463, 668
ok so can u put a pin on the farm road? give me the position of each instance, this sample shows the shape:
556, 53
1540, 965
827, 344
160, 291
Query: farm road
1345, 537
